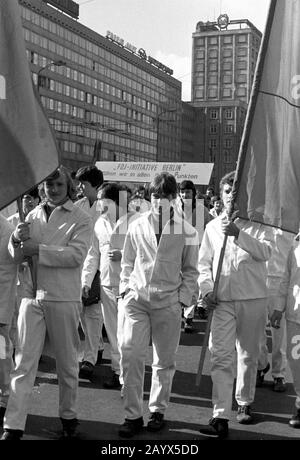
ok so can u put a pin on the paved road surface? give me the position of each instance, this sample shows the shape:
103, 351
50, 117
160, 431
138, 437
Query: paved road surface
101, 412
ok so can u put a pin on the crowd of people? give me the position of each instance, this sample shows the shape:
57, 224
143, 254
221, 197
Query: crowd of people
84, 254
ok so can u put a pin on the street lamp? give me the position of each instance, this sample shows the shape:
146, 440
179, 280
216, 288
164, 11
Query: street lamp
57, 63
158, 119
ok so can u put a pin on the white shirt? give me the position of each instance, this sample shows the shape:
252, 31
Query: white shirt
161, 274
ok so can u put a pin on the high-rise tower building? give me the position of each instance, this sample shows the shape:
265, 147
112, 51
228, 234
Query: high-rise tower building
223, 65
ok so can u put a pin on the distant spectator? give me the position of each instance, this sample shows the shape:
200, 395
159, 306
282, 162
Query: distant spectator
217, 204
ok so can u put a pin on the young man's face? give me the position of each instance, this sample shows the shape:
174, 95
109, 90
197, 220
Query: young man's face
88, 190
227, 195
186, 194
56, 190
161, 203
29, 203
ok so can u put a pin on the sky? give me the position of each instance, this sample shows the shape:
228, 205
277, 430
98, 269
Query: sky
164, 28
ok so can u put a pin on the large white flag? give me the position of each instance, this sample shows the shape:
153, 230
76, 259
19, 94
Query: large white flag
28, 151
267, 185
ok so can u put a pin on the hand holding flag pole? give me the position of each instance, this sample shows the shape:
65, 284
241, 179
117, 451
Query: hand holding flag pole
30, 260
231, 216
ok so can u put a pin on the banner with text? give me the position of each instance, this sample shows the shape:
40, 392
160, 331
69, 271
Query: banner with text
118, 171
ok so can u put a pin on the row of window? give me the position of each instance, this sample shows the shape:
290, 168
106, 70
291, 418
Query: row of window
96, 83
226, 78
227, 129
239, 52
231, 92
228, 39
213, 143
86, 45
239, 64
86, 97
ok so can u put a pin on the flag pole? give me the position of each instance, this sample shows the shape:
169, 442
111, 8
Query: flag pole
29, 259
239, 169
210, 314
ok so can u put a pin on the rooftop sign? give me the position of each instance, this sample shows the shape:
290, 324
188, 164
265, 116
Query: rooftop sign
67, 6
141, 53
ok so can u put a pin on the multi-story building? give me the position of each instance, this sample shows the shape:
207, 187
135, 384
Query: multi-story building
223, 64
105, 98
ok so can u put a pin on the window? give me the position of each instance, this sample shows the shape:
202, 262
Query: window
227, 65
228, 143
242, 38
242, 51
212, 93
213, 40
227, 156
227, 52
228, 129
227, 79
213, 128
212, 143
227, 92
212, 80
228, 113
227, 39
213, 67
213, 54
241, 65
199, 54
213, 114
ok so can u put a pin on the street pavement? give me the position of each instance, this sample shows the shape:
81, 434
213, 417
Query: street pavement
101, 412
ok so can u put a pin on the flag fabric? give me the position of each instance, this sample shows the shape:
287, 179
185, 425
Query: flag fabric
267, 182
28, 150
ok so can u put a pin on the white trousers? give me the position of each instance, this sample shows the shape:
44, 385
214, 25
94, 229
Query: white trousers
163, 326
236, 325
293, 355
6, 363
110, 317
279, 359
60, 320
92, 323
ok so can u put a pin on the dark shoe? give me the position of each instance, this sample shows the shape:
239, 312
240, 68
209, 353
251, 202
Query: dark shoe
11, 435
2, 413
261, 375
218, 428
244, 415
113, 382
188, 327
131, 427
295, 420
69, 428
279, 385
156, 422
99, 357
86, 370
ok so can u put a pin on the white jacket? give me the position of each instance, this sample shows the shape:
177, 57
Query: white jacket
8, 274
244, 269
63, 244
160, 275
288, 298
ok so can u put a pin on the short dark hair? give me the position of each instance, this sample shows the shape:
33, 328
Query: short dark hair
90, 174
164, 183
111, 191
188, 185
227, 179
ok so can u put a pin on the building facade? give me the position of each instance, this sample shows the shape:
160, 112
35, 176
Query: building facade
105, 98
224, 58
